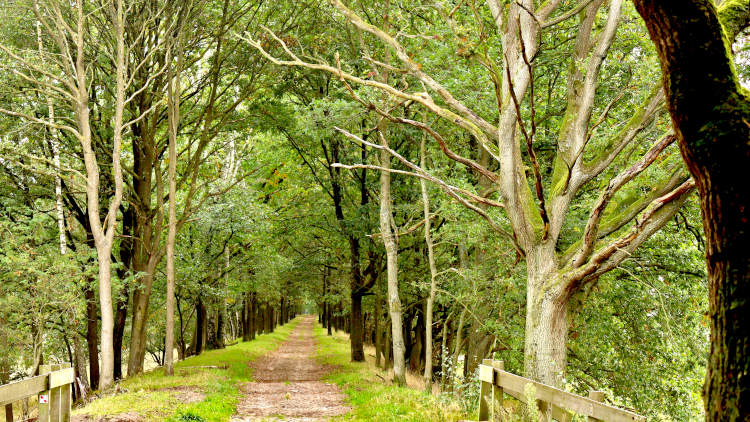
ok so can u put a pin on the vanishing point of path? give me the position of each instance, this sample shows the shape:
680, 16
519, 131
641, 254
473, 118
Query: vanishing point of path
287, 383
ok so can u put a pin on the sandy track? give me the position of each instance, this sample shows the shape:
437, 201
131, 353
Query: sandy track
287, 383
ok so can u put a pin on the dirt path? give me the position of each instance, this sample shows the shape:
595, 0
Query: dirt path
287, 383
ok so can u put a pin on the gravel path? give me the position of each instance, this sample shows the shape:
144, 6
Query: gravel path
287, 383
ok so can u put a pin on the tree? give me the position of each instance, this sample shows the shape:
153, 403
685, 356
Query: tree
73, 77
173, 115
537, 194
710, 113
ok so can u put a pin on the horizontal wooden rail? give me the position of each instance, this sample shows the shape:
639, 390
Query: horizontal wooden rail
53, 391
555, 404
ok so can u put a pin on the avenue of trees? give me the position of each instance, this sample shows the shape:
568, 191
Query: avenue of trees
555, 184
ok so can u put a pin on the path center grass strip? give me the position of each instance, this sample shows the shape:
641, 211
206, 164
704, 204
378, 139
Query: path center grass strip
213, 393
374, 400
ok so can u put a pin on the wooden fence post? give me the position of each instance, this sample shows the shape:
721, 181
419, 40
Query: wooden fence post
485, 391
55, 396
51, 388
66, 393
44, 399
497, 392
596, 396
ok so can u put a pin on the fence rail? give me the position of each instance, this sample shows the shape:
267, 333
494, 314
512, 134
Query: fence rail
553, 404
52, 388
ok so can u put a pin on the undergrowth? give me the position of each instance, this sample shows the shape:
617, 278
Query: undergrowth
374, 399
151, 394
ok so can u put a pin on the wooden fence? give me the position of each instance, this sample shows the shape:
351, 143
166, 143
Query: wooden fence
52, 389
553, 404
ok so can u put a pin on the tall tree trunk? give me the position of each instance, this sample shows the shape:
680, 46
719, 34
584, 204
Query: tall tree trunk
247, 328
220, 326
415, 352
457, 345
444, 357
433, 275
199, 340
378, 334
710, 113
328, 320
546, 336
388, 347
82, 380
141, 296
252, 316
92, 336
121, 316
357, 335
391, 249
173, 116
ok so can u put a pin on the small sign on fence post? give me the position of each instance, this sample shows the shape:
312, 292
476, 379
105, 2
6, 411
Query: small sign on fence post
44, 399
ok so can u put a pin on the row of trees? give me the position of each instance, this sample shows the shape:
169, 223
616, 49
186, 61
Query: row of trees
573, 179
126, 119
445, 181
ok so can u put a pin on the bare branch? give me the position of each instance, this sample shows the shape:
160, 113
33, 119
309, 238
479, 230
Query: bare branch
41, 121
421, 98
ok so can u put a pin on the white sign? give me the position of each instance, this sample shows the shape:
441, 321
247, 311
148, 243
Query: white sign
43, 398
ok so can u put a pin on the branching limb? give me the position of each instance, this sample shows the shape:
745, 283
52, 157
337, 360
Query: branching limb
421, 98
567, 15
426, 128
642, 117
35, 119
592, 226
655, 217
419, 172
452, 191
529, 136
416, 69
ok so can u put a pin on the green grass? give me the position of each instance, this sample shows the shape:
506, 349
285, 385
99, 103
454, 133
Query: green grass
371, 398
148, 395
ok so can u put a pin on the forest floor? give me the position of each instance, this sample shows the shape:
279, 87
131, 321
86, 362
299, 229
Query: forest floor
297, 373
287, 383
374, 398
194, 393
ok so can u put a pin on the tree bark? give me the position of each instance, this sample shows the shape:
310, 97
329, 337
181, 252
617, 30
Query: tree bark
252, 316
444, 358
545, 343
92, 335
457, 345
82, 380
357, 335
173, 116
199, 339
121, 315
378, 331
710, 113
391, 249
433, 274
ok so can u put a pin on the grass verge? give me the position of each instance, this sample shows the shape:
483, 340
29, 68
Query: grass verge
373, 399
157, 397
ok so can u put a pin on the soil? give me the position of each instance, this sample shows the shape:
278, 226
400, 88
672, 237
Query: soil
185, 395
288, 383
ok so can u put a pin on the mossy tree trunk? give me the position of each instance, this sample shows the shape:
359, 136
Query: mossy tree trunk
711, 115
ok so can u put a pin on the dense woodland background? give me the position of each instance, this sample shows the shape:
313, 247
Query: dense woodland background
521, 169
